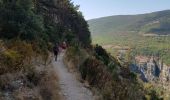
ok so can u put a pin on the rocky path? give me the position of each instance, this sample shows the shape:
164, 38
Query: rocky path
71, 88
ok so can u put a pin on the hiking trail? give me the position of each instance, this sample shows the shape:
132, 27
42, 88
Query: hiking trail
71, 88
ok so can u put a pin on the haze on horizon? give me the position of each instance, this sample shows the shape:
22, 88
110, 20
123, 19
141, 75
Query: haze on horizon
100, 8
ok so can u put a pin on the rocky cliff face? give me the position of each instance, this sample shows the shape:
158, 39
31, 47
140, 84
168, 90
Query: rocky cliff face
151, 69
165, 76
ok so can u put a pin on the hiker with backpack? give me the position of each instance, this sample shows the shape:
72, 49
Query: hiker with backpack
56, 51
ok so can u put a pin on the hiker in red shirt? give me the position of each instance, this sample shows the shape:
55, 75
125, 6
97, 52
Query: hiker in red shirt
64, 45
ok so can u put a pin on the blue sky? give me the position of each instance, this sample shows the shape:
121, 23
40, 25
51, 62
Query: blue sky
99, 8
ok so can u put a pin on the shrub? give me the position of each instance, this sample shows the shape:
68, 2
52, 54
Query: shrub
34, 76
48, 84
10, 61
93, 70
15, 57
102, 54
112, 80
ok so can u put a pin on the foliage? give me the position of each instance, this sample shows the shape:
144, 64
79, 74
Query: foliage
63, 20
163, 28
33, 76
152, 92
29, 21
124, 31
15, 56
19, 20
28, 29
108, 80
10, 61
125, 23
102, 54
140, 45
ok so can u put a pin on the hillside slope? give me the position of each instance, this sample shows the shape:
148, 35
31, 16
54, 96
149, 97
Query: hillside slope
156, 22
28, 32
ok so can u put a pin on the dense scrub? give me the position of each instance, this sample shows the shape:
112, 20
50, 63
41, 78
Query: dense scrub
24, 74
112, 80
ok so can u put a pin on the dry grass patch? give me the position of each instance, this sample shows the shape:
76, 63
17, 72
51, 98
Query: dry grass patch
49, 87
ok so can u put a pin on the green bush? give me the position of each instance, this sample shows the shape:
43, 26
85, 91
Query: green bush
19, 20
102, 54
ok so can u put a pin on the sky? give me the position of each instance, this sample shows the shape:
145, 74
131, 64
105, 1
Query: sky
100, 8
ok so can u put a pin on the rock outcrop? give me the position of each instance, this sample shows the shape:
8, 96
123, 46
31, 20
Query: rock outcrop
151, 69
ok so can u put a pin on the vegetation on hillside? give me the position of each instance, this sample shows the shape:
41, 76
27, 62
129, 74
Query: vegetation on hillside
106, 76
63, 21
158, 22
28, 30
42, 21
136, 32
133, 35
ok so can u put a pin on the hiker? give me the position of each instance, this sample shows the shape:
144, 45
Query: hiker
56, 50
64, 45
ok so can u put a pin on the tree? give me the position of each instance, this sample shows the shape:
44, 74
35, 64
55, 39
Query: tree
64, 20
43, 21
18, 19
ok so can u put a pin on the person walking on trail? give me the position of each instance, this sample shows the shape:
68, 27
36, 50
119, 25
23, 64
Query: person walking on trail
64, 45
56, 50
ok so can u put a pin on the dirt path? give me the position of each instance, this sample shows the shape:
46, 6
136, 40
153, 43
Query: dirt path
71, 88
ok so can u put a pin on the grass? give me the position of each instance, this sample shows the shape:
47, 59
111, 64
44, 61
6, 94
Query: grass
23, 74
141, 22
149, 45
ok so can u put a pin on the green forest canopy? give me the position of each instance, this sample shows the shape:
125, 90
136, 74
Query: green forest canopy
43, 21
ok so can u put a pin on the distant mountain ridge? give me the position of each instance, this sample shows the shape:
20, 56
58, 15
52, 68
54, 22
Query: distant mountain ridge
150, 23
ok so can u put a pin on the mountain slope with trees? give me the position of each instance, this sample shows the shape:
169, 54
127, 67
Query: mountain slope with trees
156, 22
146, 34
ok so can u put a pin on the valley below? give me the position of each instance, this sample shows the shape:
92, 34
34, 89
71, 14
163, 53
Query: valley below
132, 41
147, 56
